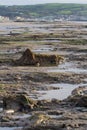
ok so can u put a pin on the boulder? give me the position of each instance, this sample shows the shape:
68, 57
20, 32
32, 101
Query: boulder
46, 59
80, 90
78, 97
18, 103
38, 118
82, 102
29, 58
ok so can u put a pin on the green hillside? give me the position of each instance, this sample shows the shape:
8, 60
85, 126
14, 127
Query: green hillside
44, 10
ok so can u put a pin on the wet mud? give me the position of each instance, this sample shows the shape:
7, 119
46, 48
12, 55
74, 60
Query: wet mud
44, 97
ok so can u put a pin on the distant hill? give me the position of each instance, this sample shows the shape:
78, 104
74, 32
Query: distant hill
43, 10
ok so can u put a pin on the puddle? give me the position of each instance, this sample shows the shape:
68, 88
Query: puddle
77, 71
46, 48
71, 70
60, 94
43, 49
21, 116
10, 128
55, 116
68, 67
82, 109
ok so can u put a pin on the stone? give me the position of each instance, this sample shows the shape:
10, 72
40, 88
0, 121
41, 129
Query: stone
82, 102
29, 58
18, 103
39, 118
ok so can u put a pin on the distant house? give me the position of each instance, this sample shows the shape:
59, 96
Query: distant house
4, 19
19, 19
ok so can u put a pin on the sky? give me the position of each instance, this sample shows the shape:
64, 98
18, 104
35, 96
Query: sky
30, 2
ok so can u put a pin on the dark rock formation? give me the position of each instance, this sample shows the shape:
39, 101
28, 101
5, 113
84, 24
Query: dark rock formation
45, 59
78, 101
19, 103
29, 58
78, 97
82, 102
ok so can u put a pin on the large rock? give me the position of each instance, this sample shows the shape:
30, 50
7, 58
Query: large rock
29, 58
38, 118
46, 59
80, 91
19, 103
78, 97
82, 102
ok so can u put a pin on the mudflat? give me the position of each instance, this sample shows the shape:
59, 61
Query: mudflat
50, 96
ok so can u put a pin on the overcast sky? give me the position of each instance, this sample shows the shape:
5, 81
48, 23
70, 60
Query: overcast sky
29, 2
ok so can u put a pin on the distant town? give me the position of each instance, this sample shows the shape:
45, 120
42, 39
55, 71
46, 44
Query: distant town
44, 12
44, 19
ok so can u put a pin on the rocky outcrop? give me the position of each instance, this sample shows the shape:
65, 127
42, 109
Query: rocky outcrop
38, 118
80, 91
82, 102
19, 103
44, 59
78, 97
29, 58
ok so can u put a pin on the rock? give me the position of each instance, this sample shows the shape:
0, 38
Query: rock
19, 103
10, 111
55, 101
29, 58
77, 100
71, 125
54, 112
82, 102
78, 97
79, 91
46, 59
5, 119
39, 118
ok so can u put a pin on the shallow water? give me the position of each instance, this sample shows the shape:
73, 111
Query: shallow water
68, 67
7, 52
44, 49
22, 116
71, 70
11, 51
62, 93
5, 28
9, 128
55, 116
